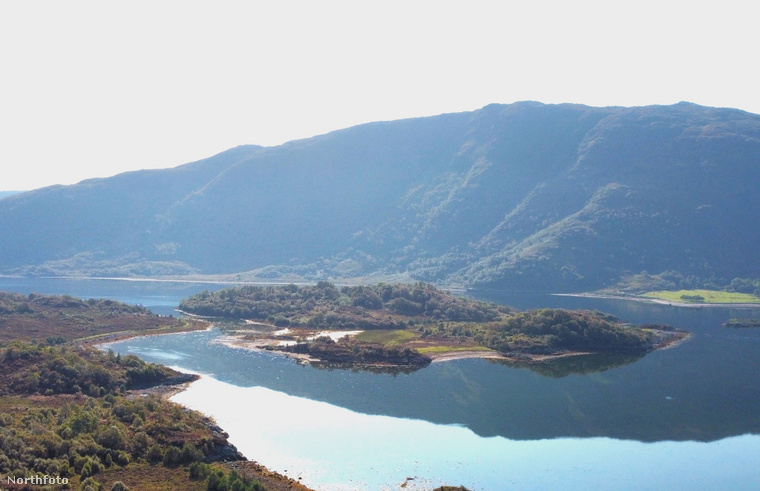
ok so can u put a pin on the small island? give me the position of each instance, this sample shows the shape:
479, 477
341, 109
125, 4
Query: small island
407, 327
737, 323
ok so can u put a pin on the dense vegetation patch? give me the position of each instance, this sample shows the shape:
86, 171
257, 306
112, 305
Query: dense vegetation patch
86, 424
62, 318
324, 306
52, 370
347, 351
549, 330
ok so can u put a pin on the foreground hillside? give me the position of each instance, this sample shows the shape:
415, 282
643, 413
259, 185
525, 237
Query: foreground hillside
521, 196
56, 319
74, 417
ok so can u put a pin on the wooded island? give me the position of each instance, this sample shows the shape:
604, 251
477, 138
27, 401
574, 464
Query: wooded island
410, 325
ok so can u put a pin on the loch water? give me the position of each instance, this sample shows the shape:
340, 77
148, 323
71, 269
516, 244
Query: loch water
687, 417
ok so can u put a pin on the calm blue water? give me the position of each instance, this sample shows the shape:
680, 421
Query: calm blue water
682, 418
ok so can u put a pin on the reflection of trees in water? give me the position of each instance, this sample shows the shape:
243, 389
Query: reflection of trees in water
558, 368
578, 365
376, 369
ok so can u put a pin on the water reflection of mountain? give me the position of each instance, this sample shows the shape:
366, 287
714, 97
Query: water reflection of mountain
623, 403
666, 395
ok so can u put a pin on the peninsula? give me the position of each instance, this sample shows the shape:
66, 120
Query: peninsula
677, 298
407, 326
76, 417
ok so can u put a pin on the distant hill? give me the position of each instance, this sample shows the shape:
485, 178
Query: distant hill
4, 194
521, 196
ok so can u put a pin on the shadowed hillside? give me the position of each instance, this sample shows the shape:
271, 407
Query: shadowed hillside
521, 196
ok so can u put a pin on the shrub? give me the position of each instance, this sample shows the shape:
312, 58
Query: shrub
90, 484
155, 454
199, 470
172, 457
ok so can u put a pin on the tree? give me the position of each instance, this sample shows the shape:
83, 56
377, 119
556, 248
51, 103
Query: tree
112, 438
90, 484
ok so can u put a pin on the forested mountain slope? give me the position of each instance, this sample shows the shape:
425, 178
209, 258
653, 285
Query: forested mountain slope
520, 196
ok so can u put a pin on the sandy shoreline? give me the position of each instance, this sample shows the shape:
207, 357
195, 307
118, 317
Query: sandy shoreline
674, 341
105, 340
236, 342
463, 355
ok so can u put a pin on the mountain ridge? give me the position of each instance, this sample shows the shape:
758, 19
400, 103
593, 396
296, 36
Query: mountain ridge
520, 196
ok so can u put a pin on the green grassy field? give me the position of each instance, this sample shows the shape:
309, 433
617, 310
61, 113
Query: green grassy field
436, 350
703, 296
386, 337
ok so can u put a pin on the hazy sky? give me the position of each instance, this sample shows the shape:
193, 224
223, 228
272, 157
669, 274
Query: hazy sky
94, 88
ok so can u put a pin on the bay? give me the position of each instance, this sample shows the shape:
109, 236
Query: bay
686, 417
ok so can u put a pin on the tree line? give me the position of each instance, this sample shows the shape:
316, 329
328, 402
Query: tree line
326, 306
